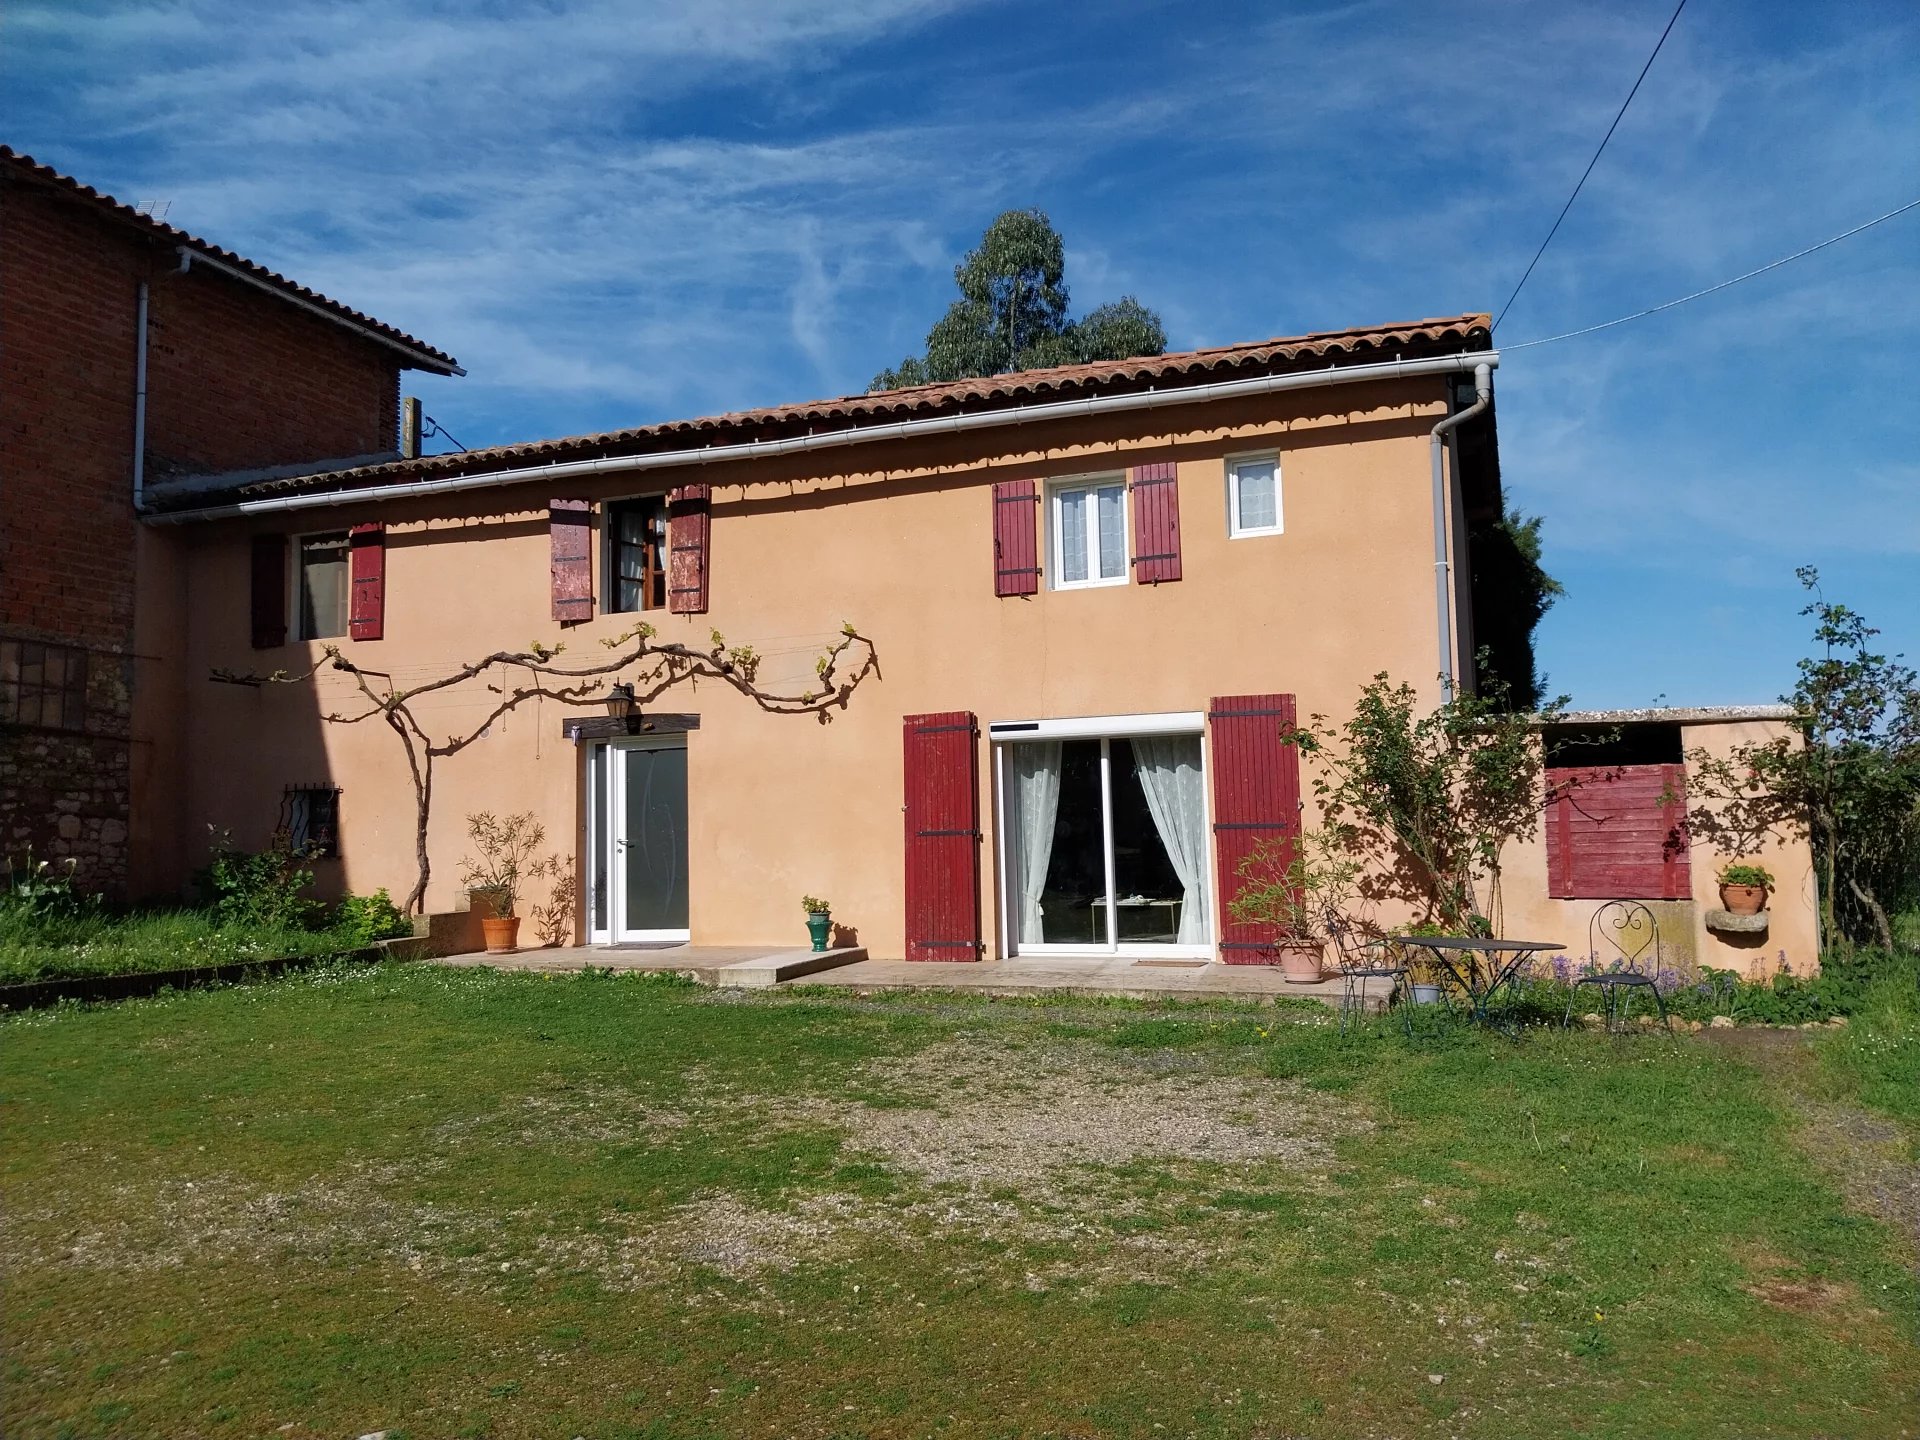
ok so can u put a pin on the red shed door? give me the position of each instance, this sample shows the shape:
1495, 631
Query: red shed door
1256, 797
943, 836
1618, 832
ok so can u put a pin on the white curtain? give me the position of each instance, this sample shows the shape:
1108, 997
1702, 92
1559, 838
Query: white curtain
1170, 778
1036, 783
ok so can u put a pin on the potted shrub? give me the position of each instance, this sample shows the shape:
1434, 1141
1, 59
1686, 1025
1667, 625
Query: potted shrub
506, 848
1743, 888
1293, 897
819, 919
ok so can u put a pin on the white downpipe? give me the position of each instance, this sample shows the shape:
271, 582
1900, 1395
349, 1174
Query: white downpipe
1442, 540
140, 404
1477, 361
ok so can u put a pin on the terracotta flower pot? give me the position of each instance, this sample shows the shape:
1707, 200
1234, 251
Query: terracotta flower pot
1300, 961
1743, 899
502, 932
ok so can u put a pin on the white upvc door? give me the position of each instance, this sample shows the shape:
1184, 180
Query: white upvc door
637, 841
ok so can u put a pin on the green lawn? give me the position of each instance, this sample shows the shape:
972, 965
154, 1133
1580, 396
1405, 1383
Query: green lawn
453, 1203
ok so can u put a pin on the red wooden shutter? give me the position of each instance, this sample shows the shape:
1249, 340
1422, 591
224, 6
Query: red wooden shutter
269, 591
570, 536
1256, 796
688, 525
1156, 523
1016, 551
367, 569
943, 836
1618, 832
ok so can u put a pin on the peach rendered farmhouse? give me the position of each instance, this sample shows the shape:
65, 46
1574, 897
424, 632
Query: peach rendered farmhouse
1094, 595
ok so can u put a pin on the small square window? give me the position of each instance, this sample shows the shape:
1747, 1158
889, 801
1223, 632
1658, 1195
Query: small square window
1089, 534
310, 820
1253, 496
322, 586
637, 554
44, 686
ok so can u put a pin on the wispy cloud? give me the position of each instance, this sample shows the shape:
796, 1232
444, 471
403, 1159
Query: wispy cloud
615, 213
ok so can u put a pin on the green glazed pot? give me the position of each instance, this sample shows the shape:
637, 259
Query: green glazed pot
819, 926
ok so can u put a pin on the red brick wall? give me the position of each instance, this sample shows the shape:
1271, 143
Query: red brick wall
67, 299
238, 379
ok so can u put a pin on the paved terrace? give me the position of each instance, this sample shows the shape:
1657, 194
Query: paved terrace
762, 966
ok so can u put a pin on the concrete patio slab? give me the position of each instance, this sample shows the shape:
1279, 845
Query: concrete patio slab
1134, 979
761, 967
750, 966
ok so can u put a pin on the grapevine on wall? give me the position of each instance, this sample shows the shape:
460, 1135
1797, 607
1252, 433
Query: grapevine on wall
537, 674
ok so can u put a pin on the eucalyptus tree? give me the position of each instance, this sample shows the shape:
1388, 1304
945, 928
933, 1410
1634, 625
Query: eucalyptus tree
1012, 313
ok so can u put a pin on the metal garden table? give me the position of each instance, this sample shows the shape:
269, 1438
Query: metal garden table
1480, 967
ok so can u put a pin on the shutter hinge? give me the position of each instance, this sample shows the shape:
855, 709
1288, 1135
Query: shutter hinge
924, 834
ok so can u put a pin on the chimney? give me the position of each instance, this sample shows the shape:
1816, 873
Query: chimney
410, 427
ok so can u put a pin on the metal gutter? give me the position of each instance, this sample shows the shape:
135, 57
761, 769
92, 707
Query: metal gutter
1476, 361
189, 257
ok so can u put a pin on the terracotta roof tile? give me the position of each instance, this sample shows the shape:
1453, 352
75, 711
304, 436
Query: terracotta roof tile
1449, 335
26, 167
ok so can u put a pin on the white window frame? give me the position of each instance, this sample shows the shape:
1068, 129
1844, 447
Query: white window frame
297, 582
1235, 530
1056, 556
1002, 733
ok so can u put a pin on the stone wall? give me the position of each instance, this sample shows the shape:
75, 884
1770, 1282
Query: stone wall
64, 797
64, 793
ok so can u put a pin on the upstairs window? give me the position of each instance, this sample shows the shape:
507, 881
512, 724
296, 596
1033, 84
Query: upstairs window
1253, 496
1090, 534
322, 586
637, 554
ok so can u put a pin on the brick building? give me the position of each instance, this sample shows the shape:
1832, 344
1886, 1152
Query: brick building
134, 355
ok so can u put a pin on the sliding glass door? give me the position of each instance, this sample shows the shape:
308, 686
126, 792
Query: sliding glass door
1105, 844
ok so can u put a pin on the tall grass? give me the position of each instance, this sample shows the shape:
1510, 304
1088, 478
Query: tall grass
98, 942
1877, 1059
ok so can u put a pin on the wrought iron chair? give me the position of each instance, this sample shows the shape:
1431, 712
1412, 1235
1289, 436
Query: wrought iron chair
1362, 959
1627, 935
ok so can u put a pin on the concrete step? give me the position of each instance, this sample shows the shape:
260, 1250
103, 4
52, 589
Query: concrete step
765, 970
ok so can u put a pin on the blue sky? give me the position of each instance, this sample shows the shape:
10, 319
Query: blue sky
616, 213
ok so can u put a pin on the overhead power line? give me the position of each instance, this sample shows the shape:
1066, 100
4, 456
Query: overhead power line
1772, 265
1590, 164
